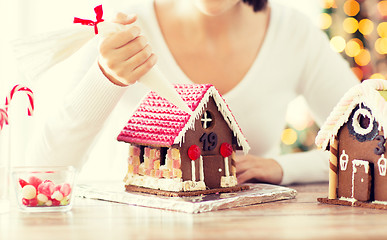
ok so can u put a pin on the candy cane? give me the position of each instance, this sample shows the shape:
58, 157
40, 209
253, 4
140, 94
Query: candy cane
29, 93
3, 118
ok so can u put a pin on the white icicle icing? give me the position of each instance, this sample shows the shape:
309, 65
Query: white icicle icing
201, 168
226, 168
226, 113
193, 171
367, 93
359, 163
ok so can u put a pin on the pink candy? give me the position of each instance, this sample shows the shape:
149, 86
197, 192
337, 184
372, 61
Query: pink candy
34, 181
37, 192
46, 188
65, 189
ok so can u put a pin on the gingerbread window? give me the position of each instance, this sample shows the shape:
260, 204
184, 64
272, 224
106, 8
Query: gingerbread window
362, 124
207, 120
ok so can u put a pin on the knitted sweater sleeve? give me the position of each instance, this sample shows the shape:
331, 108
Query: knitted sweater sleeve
66, 136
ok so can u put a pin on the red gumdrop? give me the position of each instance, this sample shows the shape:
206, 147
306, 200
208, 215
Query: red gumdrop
65, 189
225, 149
46, 188
57, 188
55, 202
25, 202
194, 152
35, 181
33, 202
22, 182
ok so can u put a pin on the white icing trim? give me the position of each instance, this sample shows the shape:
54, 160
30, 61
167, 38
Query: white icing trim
229, 181
201, 168
343, 161
382, 166
380, 202
366, 93
356, 125
193, 186
223, 109
193, 170
352, 200
359, 163
226, 168
171, 184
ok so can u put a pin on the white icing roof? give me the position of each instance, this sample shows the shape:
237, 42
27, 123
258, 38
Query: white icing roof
367, 93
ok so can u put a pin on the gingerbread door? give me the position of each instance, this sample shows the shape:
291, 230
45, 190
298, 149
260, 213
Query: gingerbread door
213, 170
361, 180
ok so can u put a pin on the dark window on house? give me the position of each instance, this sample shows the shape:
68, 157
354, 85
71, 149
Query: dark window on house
142, 151
163, 155
207, 120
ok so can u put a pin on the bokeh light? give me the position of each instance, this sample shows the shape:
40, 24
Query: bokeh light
363, 58
289, 136
350, 25
352, 49
351, 7
325, 20
377, 76
338, 43
381, 45
358, 30
382, 29
382, 8
366, 26
329, 4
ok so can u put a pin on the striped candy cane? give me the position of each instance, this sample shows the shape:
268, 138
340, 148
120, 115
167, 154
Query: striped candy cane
3, 118
18, 88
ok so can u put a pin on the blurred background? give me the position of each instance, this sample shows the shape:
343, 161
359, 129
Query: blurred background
356, 28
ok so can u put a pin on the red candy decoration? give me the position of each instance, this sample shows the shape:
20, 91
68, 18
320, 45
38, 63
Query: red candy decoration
55, 202
46, 188
194, 152
34, 181
65, 189
33, 202
226, 149
22, 182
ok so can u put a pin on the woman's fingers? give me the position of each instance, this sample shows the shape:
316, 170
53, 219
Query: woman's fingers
258, 169
125, 19
126, 56
120, 39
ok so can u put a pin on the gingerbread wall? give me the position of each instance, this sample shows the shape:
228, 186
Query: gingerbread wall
361, 151
200, 136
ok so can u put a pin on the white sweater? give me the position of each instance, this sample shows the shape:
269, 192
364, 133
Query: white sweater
295, 59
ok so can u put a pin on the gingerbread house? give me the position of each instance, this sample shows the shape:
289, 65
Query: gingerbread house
174, 151
355, 135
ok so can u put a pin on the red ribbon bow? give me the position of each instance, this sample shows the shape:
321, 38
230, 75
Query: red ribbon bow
99, 12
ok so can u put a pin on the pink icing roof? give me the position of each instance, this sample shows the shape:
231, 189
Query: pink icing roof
157, 121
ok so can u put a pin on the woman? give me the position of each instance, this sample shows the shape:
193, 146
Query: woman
258, 54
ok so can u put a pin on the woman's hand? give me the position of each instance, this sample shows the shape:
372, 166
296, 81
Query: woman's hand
256, 169
125, 56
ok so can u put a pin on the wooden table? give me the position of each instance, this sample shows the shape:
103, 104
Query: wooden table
300, 218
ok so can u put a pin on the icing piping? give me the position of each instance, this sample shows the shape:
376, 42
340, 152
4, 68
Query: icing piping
193, 171
223, 109
201, 168
382, 165
366, 92
226, 168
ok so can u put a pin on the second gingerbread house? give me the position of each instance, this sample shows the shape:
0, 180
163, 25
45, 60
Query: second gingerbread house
355, 134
